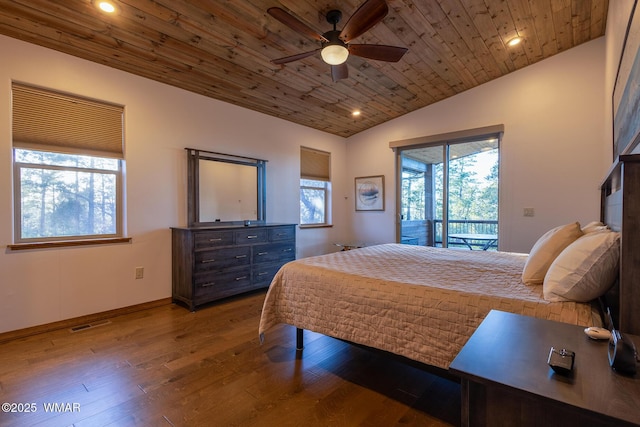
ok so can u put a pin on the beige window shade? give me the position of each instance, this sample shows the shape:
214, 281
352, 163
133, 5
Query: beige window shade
52, 121
315, 164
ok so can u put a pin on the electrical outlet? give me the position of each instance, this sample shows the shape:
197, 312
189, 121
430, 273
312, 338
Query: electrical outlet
139, 272
529, 212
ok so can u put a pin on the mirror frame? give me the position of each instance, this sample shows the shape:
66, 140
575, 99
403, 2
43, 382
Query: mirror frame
193, 185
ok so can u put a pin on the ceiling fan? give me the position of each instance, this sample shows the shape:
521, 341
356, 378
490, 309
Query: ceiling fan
335, 47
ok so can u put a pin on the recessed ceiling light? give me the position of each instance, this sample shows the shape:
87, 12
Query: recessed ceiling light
356, 113
106, 6
514, 41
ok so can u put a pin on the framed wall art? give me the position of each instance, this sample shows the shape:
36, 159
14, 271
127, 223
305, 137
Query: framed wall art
370, 193
626, 90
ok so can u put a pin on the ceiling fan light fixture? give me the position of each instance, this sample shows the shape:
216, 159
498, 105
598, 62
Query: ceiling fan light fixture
336, 47
334, 54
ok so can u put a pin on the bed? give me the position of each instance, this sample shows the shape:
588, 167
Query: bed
423, 303
419, 302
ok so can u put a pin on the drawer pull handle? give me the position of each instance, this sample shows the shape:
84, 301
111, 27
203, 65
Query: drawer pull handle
281, 234
287, 250
262, 253
252, 237
240, 256
216, 240
263, 273
240, 278
208, 284
206, 261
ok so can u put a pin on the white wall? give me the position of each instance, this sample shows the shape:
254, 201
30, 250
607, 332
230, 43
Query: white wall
43, 286
551, 153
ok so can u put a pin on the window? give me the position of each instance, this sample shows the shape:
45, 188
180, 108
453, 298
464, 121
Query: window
66, 195
315, 187
67, 157
313, 202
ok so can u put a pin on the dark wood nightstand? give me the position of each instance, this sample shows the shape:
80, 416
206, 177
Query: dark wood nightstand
506, 380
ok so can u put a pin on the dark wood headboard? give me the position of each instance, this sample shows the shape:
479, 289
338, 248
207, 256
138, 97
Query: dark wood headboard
620, 210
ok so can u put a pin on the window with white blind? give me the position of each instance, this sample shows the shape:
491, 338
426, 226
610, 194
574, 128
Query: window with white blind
315, 187
67, 164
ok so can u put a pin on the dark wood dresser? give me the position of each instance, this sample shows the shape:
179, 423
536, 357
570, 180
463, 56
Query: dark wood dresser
211, 263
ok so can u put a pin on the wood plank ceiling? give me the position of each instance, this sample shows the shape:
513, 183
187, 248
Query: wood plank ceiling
222, 49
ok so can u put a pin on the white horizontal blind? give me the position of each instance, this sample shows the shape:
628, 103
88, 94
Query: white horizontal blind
315, 164
52, 121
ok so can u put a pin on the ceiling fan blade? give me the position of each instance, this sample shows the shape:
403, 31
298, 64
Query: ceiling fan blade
295, 24
292, 58
339, 72
378, 52
368, 14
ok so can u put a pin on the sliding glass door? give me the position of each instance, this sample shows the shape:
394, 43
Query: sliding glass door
449, 194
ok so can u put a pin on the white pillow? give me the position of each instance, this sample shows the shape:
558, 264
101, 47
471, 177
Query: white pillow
545, 251
594, 226
585, 270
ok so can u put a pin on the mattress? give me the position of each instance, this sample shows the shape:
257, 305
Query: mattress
419, 302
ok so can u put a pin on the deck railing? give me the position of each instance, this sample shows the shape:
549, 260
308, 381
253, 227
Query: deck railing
429, 232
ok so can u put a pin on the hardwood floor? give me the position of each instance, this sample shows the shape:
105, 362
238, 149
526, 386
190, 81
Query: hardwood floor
166, 366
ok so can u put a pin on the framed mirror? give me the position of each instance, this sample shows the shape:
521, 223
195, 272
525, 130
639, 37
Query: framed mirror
225, 189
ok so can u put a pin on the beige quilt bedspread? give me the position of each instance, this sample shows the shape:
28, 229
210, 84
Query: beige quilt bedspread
419, 302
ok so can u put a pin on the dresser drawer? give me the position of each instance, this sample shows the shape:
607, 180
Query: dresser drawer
217, 259
281, 233
263, 274
251, 236
275, 252
207, 239
221, 284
